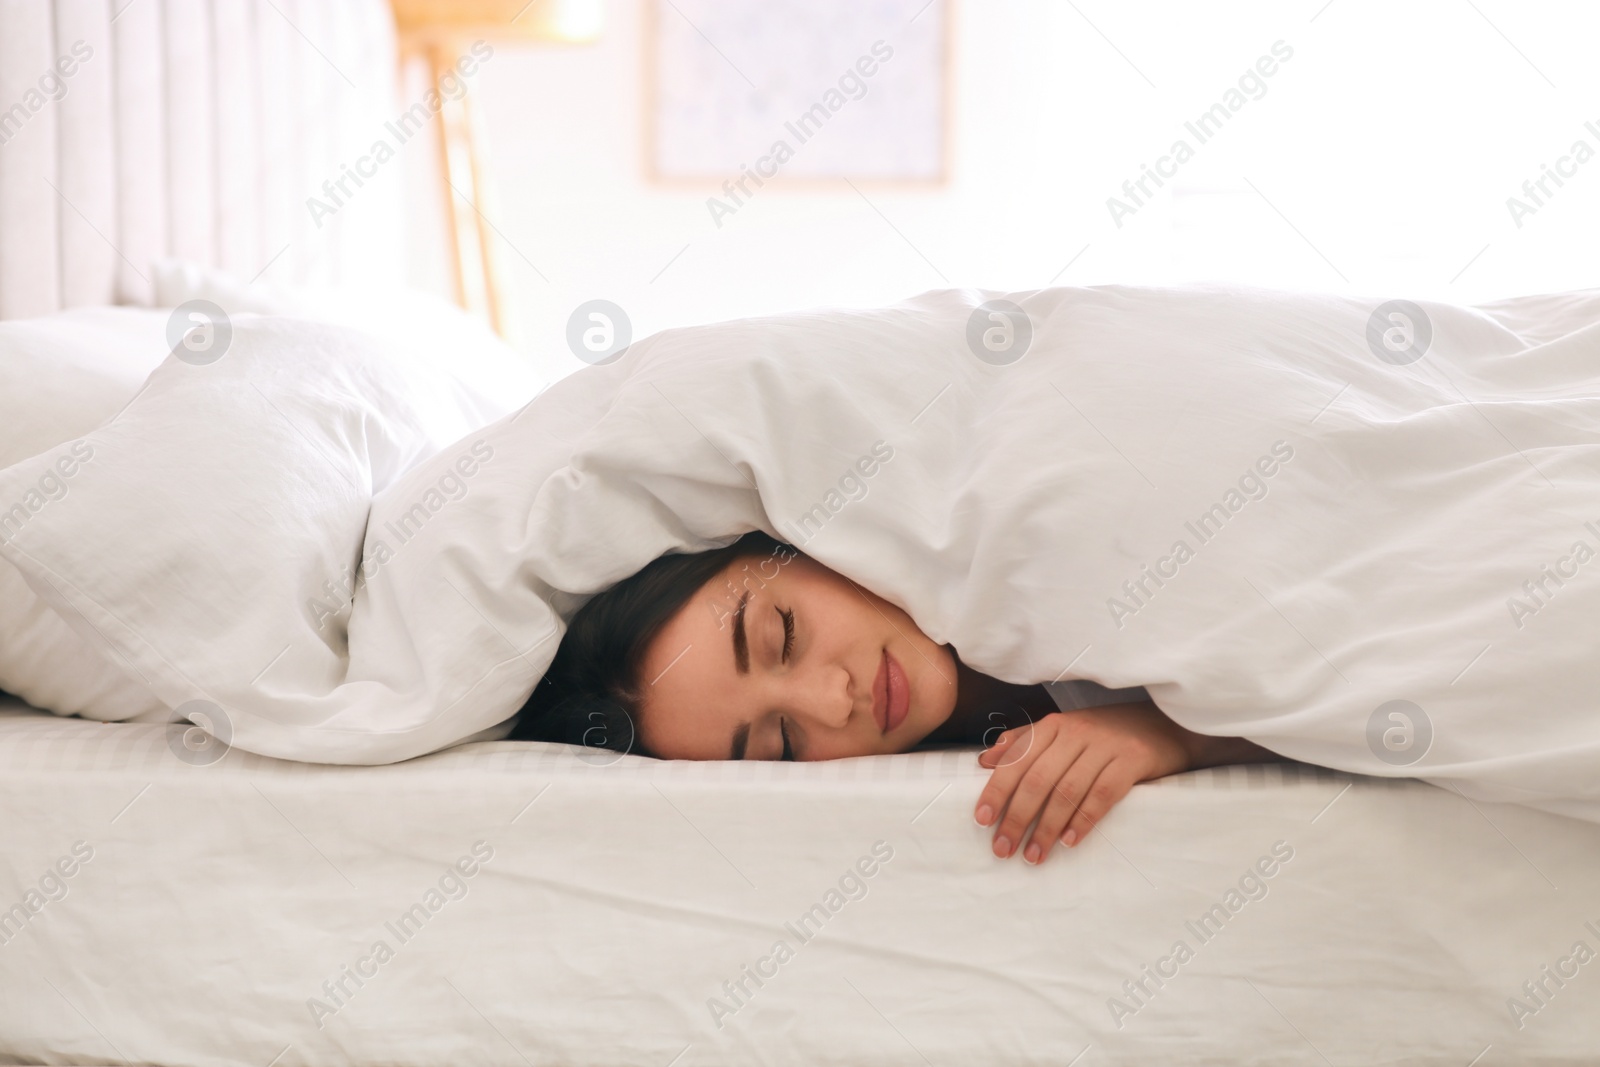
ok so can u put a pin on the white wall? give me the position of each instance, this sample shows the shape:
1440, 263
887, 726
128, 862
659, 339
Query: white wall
1378, 161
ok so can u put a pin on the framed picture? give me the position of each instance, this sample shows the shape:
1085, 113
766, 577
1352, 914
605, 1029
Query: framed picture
809, 89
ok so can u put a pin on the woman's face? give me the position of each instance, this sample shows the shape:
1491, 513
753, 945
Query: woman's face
781, 645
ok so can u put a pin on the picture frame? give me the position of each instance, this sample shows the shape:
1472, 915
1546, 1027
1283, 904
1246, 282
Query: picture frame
739, 92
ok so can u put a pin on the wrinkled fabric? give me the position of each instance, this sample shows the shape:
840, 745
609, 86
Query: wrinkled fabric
1239, 499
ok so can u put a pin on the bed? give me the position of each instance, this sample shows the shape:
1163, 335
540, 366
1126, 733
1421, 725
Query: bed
508, 902
167, 901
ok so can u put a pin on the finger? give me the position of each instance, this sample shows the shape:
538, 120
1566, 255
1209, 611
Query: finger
1034, 790
1066, 799
1112, 785
1002, 783
1015, 751
991, 755
1014, 744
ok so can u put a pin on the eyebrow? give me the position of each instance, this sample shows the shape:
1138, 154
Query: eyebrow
741, 644
741, 661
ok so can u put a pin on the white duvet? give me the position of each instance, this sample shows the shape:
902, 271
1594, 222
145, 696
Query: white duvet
1352, 531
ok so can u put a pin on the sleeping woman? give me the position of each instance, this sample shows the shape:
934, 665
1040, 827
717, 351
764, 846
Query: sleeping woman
756, 651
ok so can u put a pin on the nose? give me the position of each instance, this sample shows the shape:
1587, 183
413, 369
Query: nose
824, 697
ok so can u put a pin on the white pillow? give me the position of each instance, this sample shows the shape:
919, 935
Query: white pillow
60, 377
239, 491
421, 322
65, 375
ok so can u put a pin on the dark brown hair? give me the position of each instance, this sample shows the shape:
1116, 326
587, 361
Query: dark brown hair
591, 694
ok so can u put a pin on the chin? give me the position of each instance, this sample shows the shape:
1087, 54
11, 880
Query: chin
925, 716
913, 741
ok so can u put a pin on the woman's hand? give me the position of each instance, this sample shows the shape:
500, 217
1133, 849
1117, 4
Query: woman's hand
1068, 769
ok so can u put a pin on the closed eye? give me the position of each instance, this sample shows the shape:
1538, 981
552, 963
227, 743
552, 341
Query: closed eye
788, 633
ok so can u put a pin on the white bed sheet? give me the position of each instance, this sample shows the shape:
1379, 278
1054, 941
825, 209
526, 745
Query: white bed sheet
219, 898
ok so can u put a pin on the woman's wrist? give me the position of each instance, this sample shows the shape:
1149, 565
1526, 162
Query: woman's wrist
1205, 750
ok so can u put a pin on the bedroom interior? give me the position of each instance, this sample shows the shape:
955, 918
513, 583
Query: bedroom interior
507, 288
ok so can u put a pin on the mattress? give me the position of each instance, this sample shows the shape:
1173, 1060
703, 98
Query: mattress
511, 903
505, 902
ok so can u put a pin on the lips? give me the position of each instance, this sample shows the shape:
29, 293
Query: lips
891, 694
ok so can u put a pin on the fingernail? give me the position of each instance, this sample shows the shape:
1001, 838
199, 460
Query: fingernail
1031, 853
1002, 847
1069, 837
985, 815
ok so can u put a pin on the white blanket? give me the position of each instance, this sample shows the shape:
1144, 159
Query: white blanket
1341, 510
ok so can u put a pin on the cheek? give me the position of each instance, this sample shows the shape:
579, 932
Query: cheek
665, 732
660, 731
938, 689
930, 664
899, 627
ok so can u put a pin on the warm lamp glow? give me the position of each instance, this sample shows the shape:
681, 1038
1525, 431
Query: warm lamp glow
548, 21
